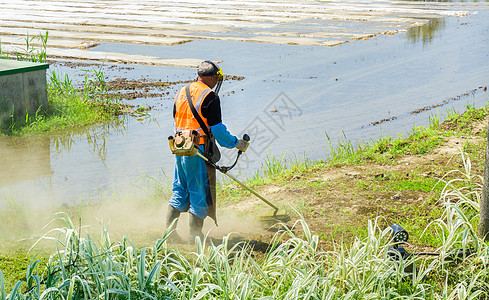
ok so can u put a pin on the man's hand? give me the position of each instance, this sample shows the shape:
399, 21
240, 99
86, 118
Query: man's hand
242, 145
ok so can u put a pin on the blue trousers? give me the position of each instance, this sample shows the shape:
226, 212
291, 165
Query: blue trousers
191, 190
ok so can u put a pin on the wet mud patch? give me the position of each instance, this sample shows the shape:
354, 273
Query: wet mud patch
126, 88
131, 89
448, 100
433, 106
138, 95
382, 121
79, 64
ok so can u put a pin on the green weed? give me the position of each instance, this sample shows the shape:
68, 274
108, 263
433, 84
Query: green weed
274, 165
398, 182
383, 150
68, 106
421, 141
30, 52
464, 122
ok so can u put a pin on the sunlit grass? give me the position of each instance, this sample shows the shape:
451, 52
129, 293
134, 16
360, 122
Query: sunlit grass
69, 105
421, 140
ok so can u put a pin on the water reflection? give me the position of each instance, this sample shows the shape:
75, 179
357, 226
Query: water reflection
97, 138
24, 158
426, 32
27, 158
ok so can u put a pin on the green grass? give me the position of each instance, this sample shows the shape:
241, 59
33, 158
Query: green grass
422, 140
68, 106
463, 123
377, 186
401, 182
14, 267
29, 53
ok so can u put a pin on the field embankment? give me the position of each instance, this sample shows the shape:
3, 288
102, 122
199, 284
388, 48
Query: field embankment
396, 180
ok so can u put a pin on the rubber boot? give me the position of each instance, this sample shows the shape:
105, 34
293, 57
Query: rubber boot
196, 225
171, 215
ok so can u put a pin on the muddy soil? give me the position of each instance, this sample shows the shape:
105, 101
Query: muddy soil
125, 88
130, 89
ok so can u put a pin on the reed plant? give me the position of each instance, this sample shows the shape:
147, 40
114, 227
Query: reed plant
293, 267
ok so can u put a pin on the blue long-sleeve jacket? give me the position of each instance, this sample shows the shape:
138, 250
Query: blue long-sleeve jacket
223, 136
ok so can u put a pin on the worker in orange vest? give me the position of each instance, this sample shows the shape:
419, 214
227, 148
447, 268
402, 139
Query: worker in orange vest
194, 179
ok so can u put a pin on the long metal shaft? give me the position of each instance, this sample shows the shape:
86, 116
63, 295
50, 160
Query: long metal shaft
243, 185
250, 190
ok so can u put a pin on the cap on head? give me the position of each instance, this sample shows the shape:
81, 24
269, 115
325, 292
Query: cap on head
208, 68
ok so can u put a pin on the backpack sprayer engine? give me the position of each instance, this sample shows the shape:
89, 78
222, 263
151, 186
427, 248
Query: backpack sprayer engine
186, 143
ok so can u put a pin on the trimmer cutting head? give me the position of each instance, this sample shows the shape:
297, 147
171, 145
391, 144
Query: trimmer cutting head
274, 218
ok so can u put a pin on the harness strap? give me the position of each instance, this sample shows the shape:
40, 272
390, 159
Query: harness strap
195, 113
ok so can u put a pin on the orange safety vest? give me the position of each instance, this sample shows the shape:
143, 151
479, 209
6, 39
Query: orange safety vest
184, 119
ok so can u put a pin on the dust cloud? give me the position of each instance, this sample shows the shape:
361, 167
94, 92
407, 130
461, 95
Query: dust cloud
136, 213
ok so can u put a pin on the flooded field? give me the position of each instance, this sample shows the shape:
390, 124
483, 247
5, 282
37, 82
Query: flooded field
74, 26
303, 70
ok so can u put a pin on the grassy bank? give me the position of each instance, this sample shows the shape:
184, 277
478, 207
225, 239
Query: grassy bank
429, 182
398, 179
69, 106
293, 267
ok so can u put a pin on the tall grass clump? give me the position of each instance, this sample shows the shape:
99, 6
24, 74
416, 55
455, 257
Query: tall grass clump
420, 141
69, 105
343, 150
293, 267
273, 165
464, 123
29, 52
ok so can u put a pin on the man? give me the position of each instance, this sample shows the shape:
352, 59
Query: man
194, 180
